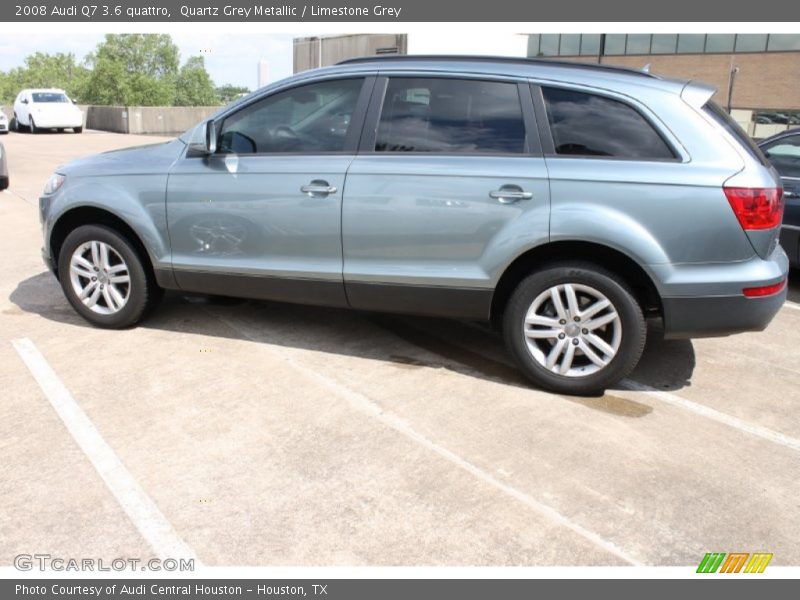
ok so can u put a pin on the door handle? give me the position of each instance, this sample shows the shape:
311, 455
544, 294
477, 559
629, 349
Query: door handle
318, 187
508, 194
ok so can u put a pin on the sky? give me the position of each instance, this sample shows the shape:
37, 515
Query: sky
229, 58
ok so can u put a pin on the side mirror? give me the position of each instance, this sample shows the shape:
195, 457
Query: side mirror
24, 100
210, 137
3, 169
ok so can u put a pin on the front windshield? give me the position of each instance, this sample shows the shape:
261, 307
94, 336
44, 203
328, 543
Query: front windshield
49, 97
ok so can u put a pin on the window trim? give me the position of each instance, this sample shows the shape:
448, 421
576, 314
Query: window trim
546, 133
369, 135
354, 132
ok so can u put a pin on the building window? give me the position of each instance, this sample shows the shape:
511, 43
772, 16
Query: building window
638, 43
664, 43
548, 44
570, 44
533, 45
720, 42
783, 41
590, 44
691, 43
615, 44
751, 42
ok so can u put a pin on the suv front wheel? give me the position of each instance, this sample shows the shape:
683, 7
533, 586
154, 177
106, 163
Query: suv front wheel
104, 278
574, 328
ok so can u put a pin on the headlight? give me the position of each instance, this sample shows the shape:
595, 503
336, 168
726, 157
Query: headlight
52, 185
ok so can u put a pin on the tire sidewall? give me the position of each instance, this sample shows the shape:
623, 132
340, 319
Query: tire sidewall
630, 313
139, 283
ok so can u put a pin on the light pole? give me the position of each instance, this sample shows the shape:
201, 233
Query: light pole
731, 79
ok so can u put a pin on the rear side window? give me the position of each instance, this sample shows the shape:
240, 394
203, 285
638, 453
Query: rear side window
451, 116
732, 127
591, 125
784, 154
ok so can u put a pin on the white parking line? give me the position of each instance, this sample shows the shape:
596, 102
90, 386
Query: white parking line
710, 413
793, 305
366, 405
140, 508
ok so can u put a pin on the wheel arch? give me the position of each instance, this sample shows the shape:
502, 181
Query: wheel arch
92, 215
609, 258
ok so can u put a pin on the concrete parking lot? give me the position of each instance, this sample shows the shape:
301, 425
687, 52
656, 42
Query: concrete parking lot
257, 433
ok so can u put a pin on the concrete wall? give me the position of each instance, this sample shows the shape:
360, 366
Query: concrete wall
147, 119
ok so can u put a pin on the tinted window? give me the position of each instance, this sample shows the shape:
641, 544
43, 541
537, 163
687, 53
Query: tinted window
450, 115
785, 155
783, 41
615, 43
638, 43
590, 44
49, 97
310, 118
720, 42
751, 42
691, 43
732, 127
589, 125
664, 43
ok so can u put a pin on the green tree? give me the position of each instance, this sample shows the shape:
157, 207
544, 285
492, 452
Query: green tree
228, 92
42, 70
133, 70
194, 86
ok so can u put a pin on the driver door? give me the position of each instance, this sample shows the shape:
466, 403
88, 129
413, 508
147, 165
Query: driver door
261, 217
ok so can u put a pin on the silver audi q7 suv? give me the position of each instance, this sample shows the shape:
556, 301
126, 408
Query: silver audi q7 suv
565, 202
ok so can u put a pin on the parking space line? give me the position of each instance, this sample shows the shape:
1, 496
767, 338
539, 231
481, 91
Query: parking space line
140, 508
366, 405
756, 430
793, 305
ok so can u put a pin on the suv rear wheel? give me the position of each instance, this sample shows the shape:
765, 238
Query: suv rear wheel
104, 278
574, 328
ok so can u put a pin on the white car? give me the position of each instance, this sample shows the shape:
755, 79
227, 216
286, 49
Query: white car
40, 109
3, 122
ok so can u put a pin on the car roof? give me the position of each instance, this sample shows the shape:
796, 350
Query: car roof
780, 135
600, 75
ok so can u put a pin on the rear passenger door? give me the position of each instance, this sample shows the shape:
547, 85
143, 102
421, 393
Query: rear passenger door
449, 183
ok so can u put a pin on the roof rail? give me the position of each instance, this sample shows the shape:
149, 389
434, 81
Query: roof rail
499, 59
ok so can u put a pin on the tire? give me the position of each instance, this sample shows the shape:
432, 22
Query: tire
32, 126
617, 345
77, 130
140, 293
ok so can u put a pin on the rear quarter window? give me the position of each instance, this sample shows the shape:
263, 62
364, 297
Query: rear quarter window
725, 121
590, 125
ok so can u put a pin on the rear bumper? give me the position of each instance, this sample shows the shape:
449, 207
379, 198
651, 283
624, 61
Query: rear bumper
708, 301
718, 316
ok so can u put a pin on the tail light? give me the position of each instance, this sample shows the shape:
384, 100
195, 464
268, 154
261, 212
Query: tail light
756, 208
764, 290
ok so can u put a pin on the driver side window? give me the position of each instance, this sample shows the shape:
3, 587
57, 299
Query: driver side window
309, 118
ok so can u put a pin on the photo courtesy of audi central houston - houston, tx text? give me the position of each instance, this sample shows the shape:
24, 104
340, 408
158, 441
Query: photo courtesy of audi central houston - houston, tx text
308, 304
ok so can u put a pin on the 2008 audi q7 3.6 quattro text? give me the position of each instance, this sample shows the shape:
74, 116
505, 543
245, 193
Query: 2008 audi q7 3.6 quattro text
566, 202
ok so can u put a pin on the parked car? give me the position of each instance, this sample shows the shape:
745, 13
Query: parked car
3, 169
37, 110
3, 122
565, 202
783, 151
